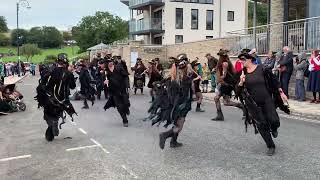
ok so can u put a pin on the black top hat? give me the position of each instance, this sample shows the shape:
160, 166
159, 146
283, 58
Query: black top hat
195, 63
246, 56
223, 52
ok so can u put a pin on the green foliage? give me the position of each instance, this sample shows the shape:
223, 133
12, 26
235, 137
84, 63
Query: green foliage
4, 40
103, 27
67, 36
52, 38
40, 58
35, 36
30, 50
3, 25
44, 37
262, 14
22, 37
50, 59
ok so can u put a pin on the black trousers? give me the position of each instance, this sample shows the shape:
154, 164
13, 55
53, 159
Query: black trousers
122, 103
268, 121
285, 79
52, 121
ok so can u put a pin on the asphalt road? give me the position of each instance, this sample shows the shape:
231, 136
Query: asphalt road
96, 146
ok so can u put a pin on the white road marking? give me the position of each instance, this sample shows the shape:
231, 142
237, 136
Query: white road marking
83, 131
82, 147
98, 144
14, 158
130, 172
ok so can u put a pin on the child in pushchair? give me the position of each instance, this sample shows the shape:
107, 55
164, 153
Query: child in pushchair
12, 98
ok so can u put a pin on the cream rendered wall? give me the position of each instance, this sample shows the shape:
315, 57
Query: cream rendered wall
240, 8
189, 35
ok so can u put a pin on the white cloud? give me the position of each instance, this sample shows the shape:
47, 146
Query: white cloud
60, 13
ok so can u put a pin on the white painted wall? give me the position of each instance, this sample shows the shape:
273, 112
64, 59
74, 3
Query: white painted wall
240, 8
190, 35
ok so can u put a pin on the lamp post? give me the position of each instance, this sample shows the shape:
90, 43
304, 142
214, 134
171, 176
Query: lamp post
22, 3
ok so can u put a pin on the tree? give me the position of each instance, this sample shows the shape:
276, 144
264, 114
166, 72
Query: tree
4, 40
3, 25
35, 36
30, 50
103, 27
67, 36
262, 14
52, 38
22, 37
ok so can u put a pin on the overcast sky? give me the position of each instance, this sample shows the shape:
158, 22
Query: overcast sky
62, 14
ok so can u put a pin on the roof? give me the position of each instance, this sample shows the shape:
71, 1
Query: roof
98, 47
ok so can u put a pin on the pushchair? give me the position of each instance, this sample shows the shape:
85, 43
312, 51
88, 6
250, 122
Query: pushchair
14, 98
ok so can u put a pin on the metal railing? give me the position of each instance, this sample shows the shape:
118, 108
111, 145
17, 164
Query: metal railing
145, 25
138, 2
299, 35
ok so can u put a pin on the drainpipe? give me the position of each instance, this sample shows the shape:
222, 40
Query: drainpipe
255, 23
220, 13
150, 12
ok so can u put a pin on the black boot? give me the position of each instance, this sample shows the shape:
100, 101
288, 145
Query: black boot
173, 142
219, 116
49, 134
135, 91
198, 109
163, 137
85, 105
124, 119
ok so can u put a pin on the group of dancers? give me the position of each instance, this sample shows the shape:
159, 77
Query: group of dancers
257, 89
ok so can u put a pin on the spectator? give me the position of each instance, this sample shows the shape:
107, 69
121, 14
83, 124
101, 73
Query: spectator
275, 69
33, 69
205, 78
212, 63
253, 53
2, 74
286, 68
238, 66
300, 67
314, 77
270, 61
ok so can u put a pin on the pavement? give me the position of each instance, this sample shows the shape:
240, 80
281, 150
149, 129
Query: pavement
96, 146
303, 109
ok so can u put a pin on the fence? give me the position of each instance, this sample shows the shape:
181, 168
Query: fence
299, 35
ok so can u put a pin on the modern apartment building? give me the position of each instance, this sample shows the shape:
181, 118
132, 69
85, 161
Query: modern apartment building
179, 21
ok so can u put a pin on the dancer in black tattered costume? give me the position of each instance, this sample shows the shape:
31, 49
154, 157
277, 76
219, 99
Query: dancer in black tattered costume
173, 101
116, 81
260, 93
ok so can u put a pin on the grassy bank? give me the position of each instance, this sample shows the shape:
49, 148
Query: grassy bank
39, 58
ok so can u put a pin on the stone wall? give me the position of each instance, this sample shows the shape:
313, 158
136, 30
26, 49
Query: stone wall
200, 48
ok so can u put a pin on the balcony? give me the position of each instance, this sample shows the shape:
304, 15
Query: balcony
145, 26
126, 2
143, 4
299, 35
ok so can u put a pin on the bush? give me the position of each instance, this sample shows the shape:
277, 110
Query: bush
50, 59
4, 40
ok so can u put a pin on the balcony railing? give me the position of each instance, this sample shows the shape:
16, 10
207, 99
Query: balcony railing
137, 3
299, 35
145, 25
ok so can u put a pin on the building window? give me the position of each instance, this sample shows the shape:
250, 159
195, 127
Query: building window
194, 1
209, 23
209, 37
139, 12
179, 18
194, 18
230, 15
179, 39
